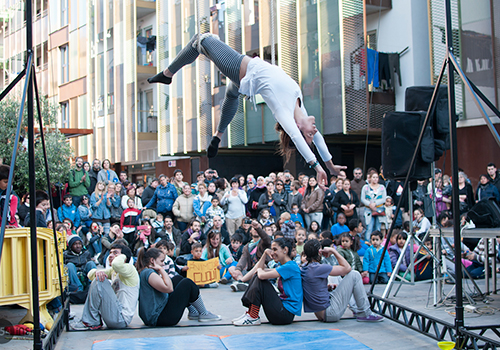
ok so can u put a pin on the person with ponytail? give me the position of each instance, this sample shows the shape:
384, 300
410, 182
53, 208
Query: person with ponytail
162, 299
280, 309
329, 302
252, 76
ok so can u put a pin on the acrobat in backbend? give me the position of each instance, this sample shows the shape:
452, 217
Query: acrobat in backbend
251, 76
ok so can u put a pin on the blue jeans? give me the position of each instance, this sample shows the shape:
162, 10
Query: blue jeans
381, 279
374, 225
224, 272
95, 247
74, 281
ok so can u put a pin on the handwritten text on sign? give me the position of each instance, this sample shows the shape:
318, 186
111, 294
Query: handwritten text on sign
203, 272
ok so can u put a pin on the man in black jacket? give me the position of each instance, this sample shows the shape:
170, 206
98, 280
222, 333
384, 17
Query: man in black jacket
78, 262
96, 167
149, 192
494, 175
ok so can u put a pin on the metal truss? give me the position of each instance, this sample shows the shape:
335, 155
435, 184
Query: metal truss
433, 327
49, 342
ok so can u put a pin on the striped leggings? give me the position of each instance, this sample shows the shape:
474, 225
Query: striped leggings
227, 60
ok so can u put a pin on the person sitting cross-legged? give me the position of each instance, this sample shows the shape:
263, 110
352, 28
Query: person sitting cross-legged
114, 303
79, 263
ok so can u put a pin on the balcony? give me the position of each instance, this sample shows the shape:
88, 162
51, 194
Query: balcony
145, 8
373, 6
146, 63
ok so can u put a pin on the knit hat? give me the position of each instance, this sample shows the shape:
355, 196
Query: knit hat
73, 239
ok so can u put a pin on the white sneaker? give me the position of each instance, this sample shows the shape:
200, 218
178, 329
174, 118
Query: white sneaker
238, 286
213, 285
238, 318
242, 286
247, 320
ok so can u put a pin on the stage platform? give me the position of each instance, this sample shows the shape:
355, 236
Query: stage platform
306, 340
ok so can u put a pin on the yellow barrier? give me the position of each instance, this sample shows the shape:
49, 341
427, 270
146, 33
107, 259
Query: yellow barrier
15, 270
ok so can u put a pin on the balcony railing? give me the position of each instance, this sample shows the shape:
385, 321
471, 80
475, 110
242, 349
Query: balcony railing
148, 121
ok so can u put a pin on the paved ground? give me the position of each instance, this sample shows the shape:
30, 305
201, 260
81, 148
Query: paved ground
383, 335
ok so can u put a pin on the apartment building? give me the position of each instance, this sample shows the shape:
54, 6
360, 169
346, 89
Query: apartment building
93, 58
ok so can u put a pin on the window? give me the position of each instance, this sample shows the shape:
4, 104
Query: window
371, 40
65, 115
64, 64
64, 12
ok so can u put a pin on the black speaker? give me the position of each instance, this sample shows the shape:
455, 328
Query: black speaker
418, 98
400, 131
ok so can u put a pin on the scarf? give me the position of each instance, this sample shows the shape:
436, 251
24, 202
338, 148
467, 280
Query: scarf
145, 231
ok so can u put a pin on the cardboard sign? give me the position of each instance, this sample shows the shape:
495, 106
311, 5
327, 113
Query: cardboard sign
203, 272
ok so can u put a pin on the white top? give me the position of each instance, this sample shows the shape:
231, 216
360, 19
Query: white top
137, 201
280, 92
236, 204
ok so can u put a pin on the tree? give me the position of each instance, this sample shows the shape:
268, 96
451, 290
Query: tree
58, 148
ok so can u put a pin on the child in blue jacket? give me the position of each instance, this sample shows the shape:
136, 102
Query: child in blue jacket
372, 258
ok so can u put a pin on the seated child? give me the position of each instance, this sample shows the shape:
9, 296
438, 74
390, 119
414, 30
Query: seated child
79, 262
326, 235
347, 247
70, 229
278, 234
265, 217
157, 223
395, 252
300, 237
424, 263
372, 258
295, 215
394, 237
145, 236
168, 249
329, 260
340, 227
356, 230
236, 248
196, 252
287, 226
311, 236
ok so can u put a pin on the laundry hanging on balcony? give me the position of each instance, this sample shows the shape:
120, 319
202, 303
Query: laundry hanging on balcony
382, 67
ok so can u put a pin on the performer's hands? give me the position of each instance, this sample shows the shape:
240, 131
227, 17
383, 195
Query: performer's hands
334, 169
321, 177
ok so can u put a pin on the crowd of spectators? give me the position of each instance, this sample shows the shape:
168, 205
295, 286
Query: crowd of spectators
105, 216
